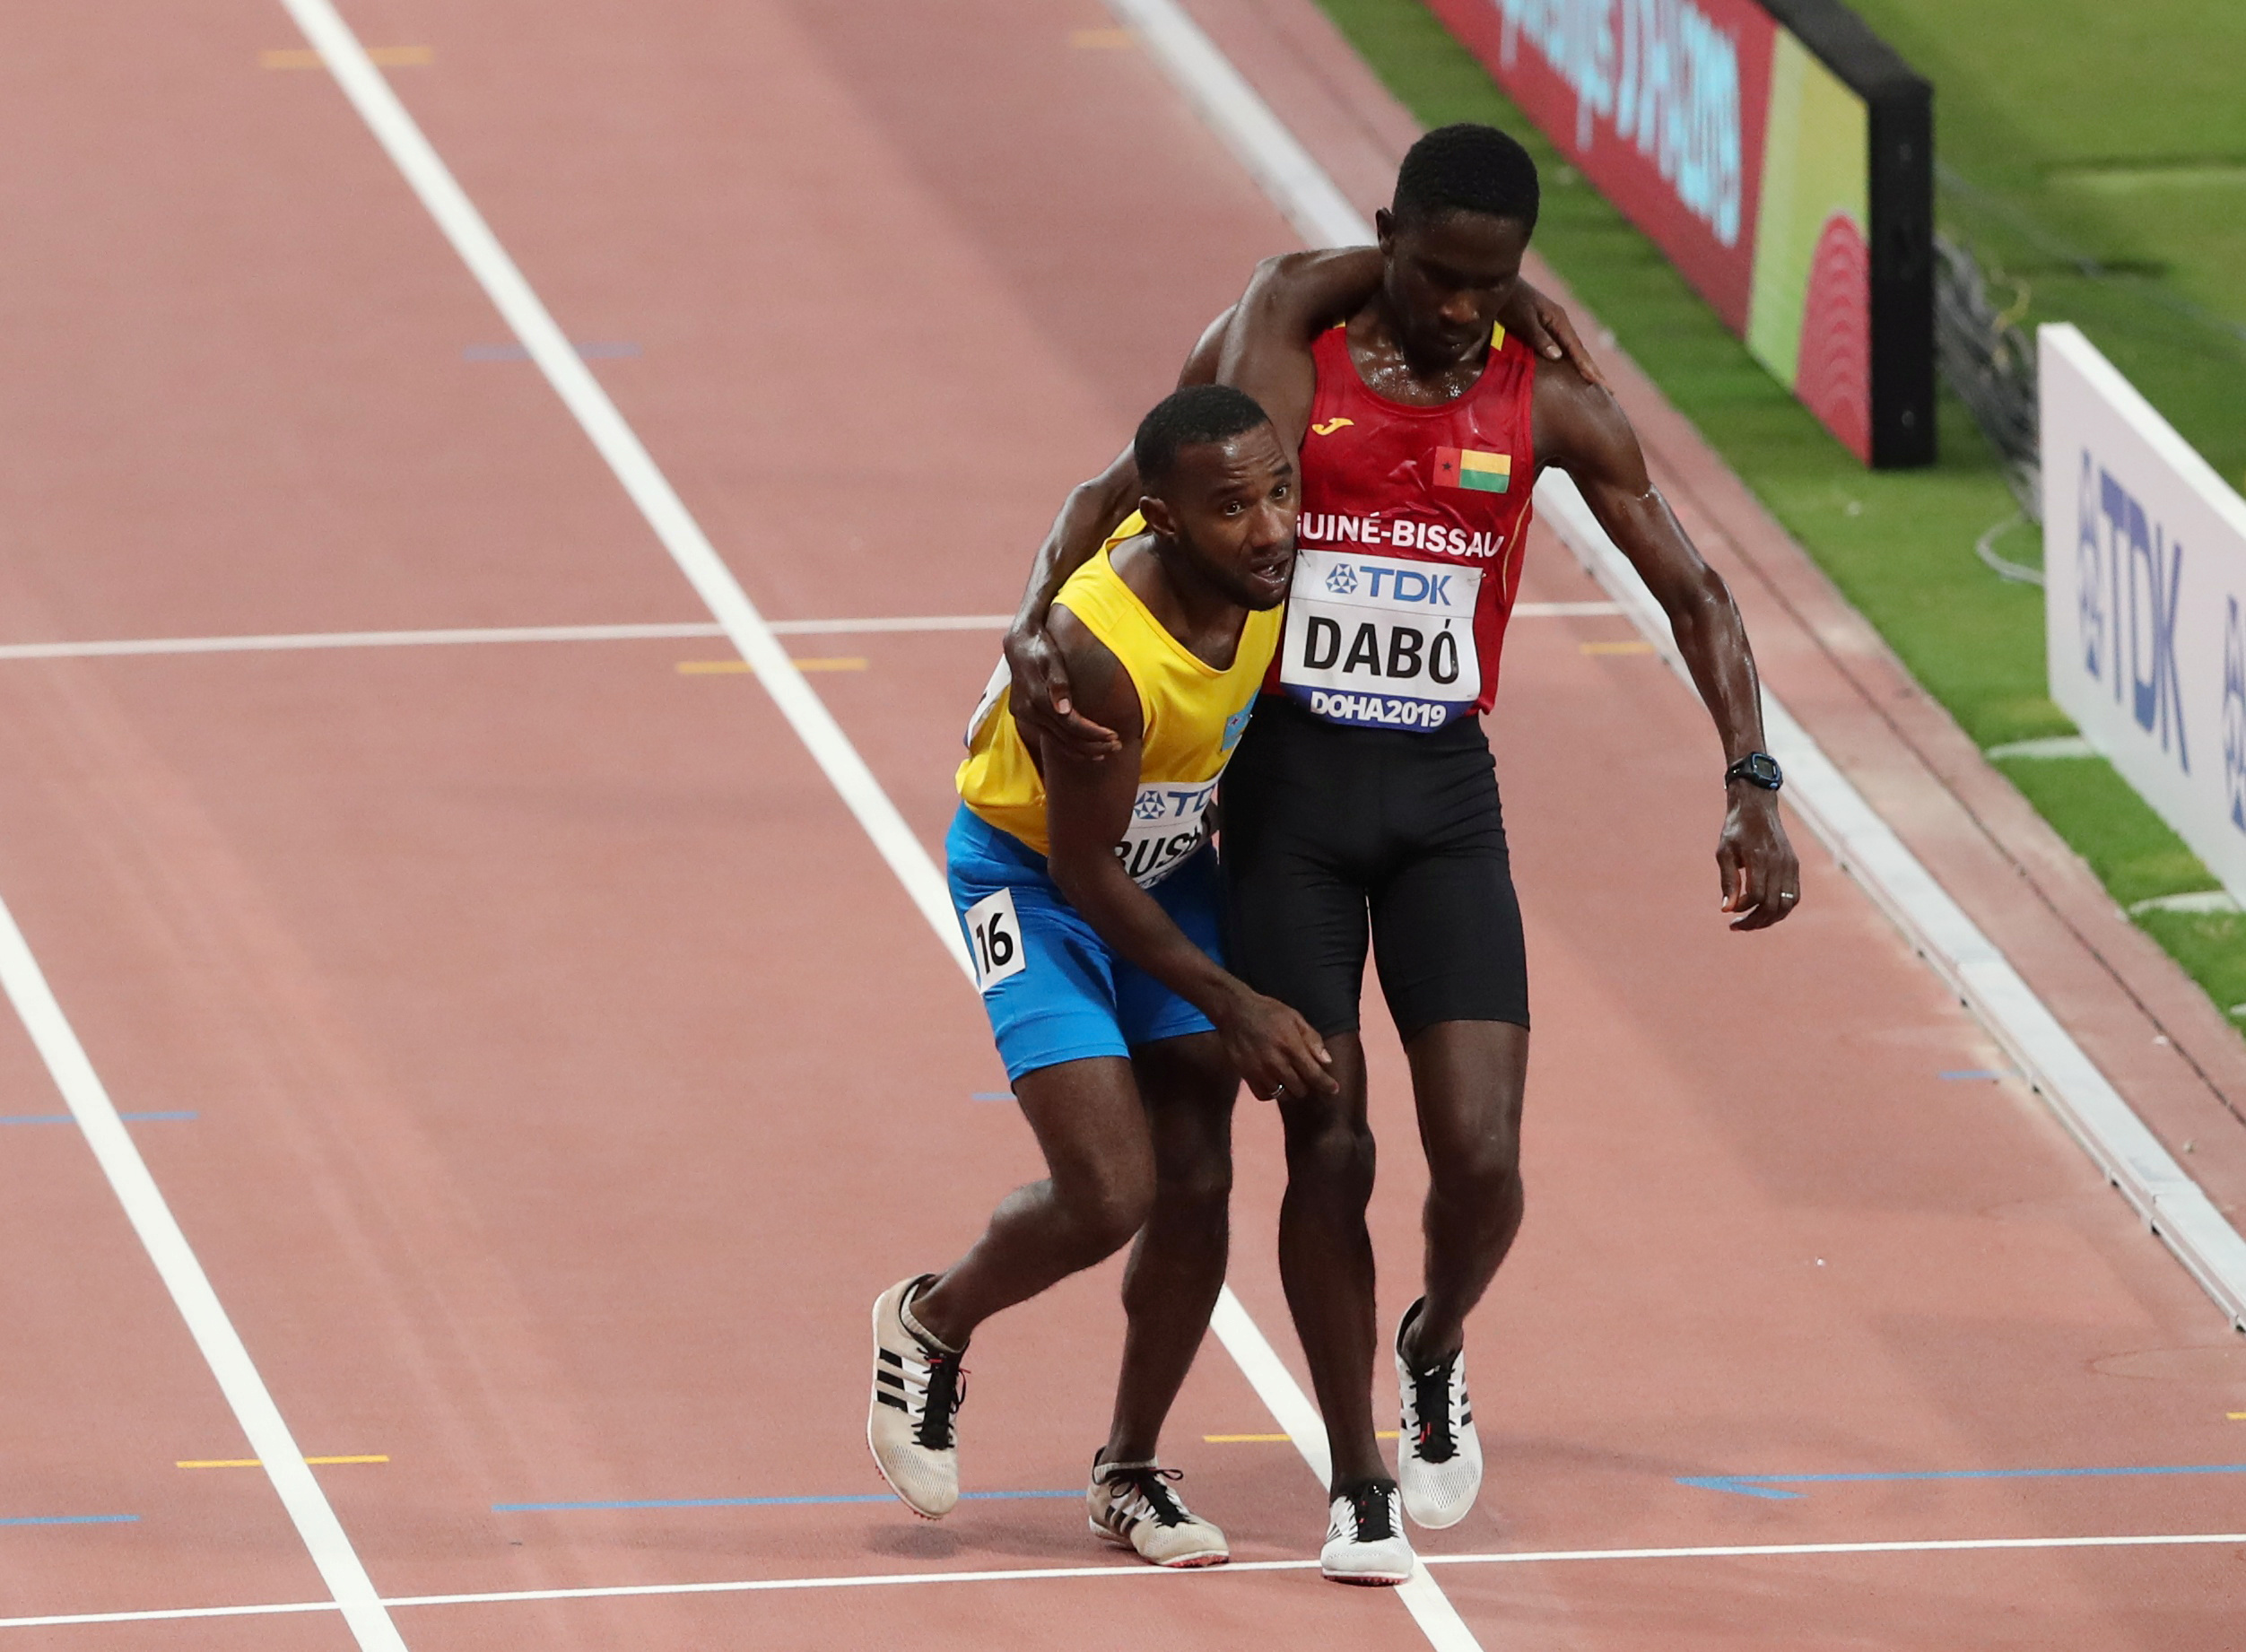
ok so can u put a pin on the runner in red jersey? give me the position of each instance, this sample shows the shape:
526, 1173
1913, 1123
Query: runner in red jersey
1362, 805
1375, 638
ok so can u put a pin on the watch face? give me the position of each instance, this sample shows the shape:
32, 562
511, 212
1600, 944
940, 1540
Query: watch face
1765, 768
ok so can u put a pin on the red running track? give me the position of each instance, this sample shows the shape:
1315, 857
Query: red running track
566, 1070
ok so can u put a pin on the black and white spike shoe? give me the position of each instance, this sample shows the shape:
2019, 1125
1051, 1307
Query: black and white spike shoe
917, 1388
1134, 1506
1438, 1455
1365, 1540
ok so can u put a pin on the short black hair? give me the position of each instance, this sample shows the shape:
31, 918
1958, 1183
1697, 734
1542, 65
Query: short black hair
1188, 418
1467, 169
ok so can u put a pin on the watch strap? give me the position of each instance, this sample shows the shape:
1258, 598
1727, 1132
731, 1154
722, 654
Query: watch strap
1757, 769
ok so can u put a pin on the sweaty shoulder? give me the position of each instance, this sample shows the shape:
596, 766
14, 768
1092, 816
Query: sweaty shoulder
1577, 424
1305, 292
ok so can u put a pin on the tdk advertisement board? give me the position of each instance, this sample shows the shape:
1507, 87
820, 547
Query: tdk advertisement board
1780, 153
2144, 576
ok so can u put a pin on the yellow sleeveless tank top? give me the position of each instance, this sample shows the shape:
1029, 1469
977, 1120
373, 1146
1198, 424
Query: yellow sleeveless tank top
1192, 714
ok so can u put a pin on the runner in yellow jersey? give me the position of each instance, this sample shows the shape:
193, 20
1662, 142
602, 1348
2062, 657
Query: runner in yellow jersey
1087, 891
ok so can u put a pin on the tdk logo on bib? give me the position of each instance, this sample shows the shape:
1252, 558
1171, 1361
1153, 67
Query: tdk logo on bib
1382, 643
1405, 585
1166, 826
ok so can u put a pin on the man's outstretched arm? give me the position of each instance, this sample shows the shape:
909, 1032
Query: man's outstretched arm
1581, 431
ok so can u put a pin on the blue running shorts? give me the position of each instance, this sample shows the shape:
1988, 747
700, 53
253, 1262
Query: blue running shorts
1054, 990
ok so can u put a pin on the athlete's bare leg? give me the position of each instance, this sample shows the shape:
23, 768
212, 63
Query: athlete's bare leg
1178, 1266
1088, 1122
1325, 1255
1467, 1078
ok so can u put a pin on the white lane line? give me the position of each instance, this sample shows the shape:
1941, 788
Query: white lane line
659, 503
698, 560
1926, 1545
1051, 1574
290, 641
458, 636
2100, 1118
461, 636
904, 622
1258, 139
1284, 1398
182, 1273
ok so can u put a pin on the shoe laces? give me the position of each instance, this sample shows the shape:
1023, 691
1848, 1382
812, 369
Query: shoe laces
945, 1393
1147, 1482
1434, 1439
1369, 1503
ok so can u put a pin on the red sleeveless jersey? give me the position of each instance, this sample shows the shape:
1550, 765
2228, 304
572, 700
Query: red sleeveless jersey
1410, 542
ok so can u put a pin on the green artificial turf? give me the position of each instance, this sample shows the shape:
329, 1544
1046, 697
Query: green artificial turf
2064, 130
2072, 129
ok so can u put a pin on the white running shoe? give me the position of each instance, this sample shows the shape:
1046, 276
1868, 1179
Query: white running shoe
916, 1391
1133, 1507
1365, 1540
1438, 1456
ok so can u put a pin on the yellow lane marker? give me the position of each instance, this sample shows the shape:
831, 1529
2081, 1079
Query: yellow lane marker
1100, 40
2238, 1416
385, 58
741, 668
1616, 647
1259, 1439
257, 1462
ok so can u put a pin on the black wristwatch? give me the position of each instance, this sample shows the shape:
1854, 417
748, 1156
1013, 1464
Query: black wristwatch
1757, 769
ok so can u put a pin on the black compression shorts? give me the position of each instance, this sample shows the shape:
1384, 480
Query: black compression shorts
1333, 834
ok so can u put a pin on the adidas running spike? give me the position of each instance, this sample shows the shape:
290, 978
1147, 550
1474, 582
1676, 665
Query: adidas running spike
1438, 1456
1133, 1506
916, 1394
1364, 1539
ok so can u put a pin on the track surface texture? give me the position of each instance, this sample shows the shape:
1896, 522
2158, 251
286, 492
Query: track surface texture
548, 1071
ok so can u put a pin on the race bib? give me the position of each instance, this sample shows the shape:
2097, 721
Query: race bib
1380, 642
1167, 824
993, 940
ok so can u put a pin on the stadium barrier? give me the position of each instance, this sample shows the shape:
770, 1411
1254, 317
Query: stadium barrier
2144, 573
1782, 156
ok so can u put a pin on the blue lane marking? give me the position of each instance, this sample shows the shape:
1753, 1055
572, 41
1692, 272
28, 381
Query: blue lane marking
1970, 1073
590, 350
63, 1119
757, 1502
1768, 1485
67, 1519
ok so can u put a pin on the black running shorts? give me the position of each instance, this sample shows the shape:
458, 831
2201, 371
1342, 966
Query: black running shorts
1334, 835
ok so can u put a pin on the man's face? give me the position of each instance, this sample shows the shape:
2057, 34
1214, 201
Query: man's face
1230, 507
1446, 278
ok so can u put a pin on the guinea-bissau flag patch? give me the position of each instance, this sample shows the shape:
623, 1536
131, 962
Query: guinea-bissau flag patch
1473, 469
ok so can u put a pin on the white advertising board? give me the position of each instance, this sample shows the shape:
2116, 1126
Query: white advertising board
2145, 581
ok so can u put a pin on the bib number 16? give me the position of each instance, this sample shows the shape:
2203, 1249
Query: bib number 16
993, 940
